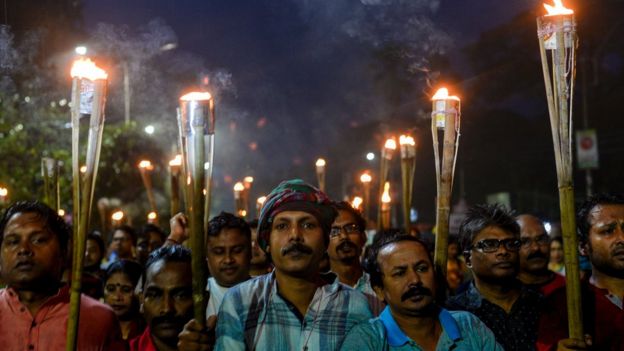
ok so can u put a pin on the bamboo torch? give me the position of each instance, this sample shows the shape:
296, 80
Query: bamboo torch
408, 167
366, 179
259, 203
197, 121
356, 203
558, 42
445, 121
174, 183
146, 166
386, 157
386, 207
320, 173
50, 172
88, 97
247, 183
4, 196
117, 218
239, 188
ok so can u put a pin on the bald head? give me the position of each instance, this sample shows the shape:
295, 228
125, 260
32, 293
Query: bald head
535, 250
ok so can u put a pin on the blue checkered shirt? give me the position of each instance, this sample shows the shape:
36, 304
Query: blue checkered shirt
253, 316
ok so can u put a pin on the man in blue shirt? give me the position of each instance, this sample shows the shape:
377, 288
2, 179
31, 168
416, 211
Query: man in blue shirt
402, 274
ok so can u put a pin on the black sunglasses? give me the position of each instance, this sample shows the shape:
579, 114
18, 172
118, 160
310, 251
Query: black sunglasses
492, 245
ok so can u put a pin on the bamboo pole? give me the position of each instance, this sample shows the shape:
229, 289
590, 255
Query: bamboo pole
144, 167
557, 34
384, 164
366, 179
320, 173
174, 184
408, 166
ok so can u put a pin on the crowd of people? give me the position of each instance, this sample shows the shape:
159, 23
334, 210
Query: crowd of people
306, 276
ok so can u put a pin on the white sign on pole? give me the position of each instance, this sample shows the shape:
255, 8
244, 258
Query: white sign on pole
587, 149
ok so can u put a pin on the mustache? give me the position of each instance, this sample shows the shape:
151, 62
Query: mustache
619, 249
296, 248
537, 254
415, 291
346, 244
171, 319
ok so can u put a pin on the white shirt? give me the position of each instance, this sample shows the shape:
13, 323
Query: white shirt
216, 297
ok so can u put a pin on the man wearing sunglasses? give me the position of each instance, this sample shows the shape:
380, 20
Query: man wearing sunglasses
490, 239
346, 242
534, 256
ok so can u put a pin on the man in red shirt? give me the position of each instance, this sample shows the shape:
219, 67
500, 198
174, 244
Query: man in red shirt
34, 308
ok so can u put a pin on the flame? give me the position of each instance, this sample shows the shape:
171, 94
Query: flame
390, 144
320, 162
152, 215
407, 140
357, 202
558, 9
177, 161
261, 200
443, 94
242, 213
385, 197
248, 179
4, 191
83, 169
85, 68
117, 216
61, 212
239, 186
146, 164
196, 96
366, 178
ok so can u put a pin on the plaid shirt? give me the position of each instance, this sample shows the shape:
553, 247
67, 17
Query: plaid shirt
253, 316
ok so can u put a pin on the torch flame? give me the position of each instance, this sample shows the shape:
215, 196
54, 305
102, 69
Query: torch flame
196, 96
4, 191
146, 164
558, 9
385, 197
366, 178
117, 216
357, 202
177, 161
61, 212
443, 94
320, 162
239, 186
407, 140
152, 215
390, 144
261, 200
85, 68
248, 179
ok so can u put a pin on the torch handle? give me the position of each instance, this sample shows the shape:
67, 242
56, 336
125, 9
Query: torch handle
407, 180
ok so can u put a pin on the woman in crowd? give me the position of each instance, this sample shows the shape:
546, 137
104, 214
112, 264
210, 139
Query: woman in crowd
121, 279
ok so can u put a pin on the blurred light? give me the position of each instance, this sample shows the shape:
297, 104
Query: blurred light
206, 166
239, 186
196, 96
81, 50
390, 144
261, 122
146, 164
150, 129
117, 216
320, 162
242, 213
548, 227
62, 102
385, 197
253, 146
370, 156
168, 46
61, 212
261, 200
357, 202
177, 161
83, 169
152, 215
27, 99
4, 191
248, 179
366, 178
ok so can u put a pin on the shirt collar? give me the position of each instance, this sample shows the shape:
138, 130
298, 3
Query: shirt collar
397, 338
473, 297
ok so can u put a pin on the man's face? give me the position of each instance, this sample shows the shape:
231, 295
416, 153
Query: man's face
606, 239
122, 244
500, 264
118, 294
346, 239
408, 279
154, 242
167, 299
93, 255
31, 255
535, 249
258, 257
228, 258
296, 243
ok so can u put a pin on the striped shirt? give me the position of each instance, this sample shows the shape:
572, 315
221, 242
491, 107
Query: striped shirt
253, 316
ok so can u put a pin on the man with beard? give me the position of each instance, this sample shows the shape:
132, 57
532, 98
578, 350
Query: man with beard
346, 241
490, 239
34, 308
294, 307
402, 274
534, 256
167, 301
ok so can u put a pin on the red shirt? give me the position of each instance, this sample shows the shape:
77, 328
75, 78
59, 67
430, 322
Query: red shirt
143, 342
556, 283
98, 329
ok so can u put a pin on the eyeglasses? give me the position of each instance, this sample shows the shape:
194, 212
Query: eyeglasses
540, 240
349, 229
492, 245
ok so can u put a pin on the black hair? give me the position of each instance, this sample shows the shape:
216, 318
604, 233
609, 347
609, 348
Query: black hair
345, 206
225, 220
50, 217
480, 217
582, 216
96, 236
253, 224
128, 267
152, 228
173, 253
128, 230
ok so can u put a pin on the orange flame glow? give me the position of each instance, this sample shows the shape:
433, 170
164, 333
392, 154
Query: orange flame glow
146, 164
196, 96
85, 68
261, 200
152, 215
117, 216
443, 94
390, 144
558, 9
357, 202
366, 178
385, 197
407, 140
239, 186
177, 161
320, 162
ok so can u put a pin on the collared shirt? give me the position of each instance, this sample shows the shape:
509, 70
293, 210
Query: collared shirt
615, 300
216, 296
98, 328
516, 330
556, 282
253, 316
363, 285
460, 331
143, 342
